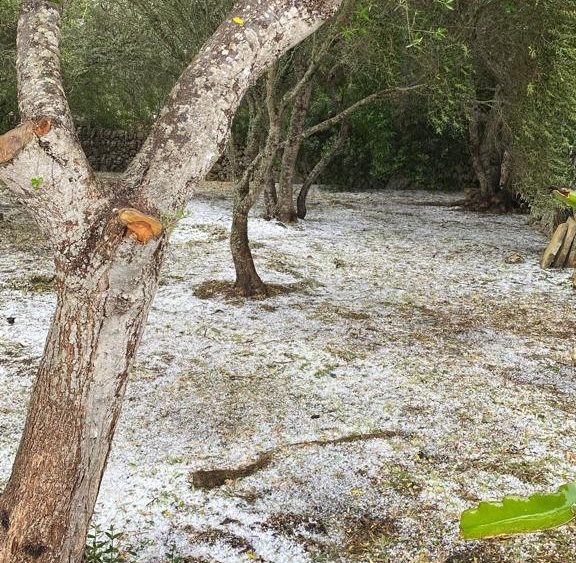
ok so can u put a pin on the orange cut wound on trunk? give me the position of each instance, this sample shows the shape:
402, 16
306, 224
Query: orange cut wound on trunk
142, 226
141, 230
42, 127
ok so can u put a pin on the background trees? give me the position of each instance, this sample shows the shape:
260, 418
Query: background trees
495, 116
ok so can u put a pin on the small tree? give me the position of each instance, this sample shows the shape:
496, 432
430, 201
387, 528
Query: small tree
109, 245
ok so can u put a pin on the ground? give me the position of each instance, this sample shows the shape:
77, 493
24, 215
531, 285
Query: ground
415, 361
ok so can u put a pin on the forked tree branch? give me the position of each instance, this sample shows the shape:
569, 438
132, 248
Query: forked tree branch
43, 163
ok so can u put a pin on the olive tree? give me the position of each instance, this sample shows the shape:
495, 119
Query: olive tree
109, 242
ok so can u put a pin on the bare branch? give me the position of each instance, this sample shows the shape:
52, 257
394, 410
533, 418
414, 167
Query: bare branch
14, 141
354, 107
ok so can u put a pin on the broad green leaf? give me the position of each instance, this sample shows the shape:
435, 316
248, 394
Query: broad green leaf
518, 515
567, 197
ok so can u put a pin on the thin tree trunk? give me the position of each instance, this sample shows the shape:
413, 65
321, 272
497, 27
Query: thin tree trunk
232, 171
270, 198
475, 136
263, 180
248, 282
321, 165
286, 209
246, 193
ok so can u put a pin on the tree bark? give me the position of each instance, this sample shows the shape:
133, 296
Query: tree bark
246, 193
106, 279
46, 507
490, 158
482, 147
270, 198
286, 209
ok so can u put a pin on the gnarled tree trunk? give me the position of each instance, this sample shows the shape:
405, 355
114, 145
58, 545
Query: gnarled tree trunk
490, 159
106, 278
246, 192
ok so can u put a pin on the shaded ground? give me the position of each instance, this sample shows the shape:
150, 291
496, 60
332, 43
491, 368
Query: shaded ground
411, 373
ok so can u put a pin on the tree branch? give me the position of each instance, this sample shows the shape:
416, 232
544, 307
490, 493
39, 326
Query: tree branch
192, 129
40, 90
42, 162
326, 124
319, 52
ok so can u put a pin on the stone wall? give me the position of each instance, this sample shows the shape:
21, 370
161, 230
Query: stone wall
110, 150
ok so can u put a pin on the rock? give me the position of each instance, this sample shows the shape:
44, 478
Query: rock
514, 258
571, 260
554, 247
561, 258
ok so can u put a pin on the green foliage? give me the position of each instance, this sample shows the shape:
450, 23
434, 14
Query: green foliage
121, 58
102, 547
8, 105
566, 197
518, 515
170, 220
36, 182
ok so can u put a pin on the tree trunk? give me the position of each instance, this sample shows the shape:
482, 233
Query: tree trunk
286, 210
319, 168
490, 159
106, 279
270, 198
246, 192
248, 282
483, 152
76, 402
232, 169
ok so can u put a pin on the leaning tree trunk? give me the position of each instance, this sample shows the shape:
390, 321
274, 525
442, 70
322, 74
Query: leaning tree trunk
286, 209
321, 165
106, 278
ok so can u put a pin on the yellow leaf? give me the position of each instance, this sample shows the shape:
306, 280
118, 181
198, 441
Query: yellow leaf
238, 20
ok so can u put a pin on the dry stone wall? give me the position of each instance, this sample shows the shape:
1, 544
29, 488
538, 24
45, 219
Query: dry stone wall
110, 150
